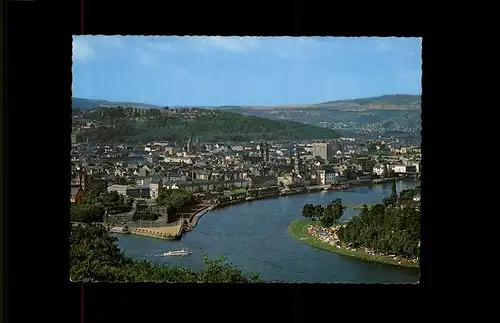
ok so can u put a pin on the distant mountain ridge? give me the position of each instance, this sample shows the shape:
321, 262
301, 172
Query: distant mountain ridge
82, 103
363, 114
385, 101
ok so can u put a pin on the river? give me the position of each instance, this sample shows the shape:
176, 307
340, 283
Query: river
253, 236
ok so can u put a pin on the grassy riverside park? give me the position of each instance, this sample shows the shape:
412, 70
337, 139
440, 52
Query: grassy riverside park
298, 230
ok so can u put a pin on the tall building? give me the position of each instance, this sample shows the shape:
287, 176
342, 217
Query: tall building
198, 146
267, 152
155, 188
80, 179
323, 150
262, 150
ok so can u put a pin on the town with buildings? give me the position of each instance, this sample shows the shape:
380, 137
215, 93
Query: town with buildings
218, 173
223, 154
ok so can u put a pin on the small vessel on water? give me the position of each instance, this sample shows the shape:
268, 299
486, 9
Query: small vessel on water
182, 252
337, 187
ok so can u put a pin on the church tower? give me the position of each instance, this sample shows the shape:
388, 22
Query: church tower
267, 152
84, 178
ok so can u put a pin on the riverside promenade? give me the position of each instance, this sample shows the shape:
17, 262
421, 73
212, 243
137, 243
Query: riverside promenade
172, 231
168, 232
193, 219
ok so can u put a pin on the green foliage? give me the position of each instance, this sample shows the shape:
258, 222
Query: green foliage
95, 256
313, 212
94, 190
328, 215
332, 213
392, 200
87, 213
97, 193
133, 125
175, 200
218, 271
407, 195
392, 230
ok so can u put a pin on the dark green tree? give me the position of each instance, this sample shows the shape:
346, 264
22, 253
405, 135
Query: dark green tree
391, 200
390, 230
307, 211
332, 213
394, 193
87, 213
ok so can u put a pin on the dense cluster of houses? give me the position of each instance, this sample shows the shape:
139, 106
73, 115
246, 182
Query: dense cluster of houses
144, 171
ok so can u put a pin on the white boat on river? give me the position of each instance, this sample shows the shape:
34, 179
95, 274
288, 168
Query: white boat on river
182, 252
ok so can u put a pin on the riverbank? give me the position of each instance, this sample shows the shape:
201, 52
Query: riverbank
169, 232
310, 190
232, 231
190, 222
298, 230
193, 220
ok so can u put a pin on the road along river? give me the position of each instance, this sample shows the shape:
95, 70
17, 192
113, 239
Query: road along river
253, 236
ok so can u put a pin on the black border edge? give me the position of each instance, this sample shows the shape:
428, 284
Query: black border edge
36, 108
3, 90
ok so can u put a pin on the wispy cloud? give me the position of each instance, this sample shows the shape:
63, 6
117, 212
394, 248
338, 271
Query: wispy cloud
156, 44
82, 50
111, 41
151, 52
295, 47
160, 51
233, 44
282, 47
150, 49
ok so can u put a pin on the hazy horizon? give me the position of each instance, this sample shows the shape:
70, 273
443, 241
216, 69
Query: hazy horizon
233, 105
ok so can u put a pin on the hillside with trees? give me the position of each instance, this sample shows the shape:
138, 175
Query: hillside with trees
145, 125
392, 227
393, 114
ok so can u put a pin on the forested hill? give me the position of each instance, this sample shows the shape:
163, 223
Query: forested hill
144, 125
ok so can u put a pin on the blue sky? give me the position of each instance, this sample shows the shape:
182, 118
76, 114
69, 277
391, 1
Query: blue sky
211, 71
